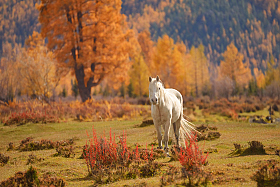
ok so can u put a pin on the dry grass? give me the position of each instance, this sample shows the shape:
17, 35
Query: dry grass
34, 111
226, 170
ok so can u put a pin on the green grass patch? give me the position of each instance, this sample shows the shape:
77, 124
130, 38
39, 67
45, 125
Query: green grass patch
227, 170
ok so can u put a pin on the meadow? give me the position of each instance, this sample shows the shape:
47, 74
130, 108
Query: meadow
226, 166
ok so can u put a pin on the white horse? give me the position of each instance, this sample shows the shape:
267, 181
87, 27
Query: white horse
167, 109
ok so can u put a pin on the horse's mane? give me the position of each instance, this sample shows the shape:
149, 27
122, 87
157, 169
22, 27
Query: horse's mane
161, 83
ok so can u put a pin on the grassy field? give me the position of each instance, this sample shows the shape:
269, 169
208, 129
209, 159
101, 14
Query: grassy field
227, 170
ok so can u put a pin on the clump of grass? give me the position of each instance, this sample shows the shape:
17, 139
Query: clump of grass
11, 146
65, 151
33, 159
146, 123
206, 134
268, 175
30, 178
3, 159
172, 175
254, 148
29, 144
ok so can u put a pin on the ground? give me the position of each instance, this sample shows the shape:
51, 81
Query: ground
227, 170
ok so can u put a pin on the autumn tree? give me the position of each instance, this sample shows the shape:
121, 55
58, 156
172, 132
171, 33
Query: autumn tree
146, 44
233, 67
272, 72
138, 75
9, 79
167, 61
90, 37
199, 68
37, 68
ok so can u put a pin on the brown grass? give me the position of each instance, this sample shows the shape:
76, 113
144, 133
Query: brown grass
226, 170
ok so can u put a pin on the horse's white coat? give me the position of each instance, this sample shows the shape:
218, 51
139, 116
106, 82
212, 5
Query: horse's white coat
167, 109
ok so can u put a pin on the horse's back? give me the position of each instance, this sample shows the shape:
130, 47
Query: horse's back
176, 93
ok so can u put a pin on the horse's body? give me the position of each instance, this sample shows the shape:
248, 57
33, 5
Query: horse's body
167, 109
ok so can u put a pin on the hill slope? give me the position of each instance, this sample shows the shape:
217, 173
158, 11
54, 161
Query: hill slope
251, 24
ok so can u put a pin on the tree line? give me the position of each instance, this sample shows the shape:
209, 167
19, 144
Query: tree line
85, 44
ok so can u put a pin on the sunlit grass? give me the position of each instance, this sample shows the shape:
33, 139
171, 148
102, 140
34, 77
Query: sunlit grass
74, 170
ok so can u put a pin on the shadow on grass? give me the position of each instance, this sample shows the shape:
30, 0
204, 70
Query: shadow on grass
79, 179
255, 148
247, 152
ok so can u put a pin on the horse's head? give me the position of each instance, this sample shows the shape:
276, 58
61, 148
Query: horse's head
155, 90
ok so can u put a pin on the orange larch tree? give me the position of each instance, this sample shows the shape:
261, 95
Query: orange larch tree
200, 65
167, 61
90, 37
234, 68
146, 44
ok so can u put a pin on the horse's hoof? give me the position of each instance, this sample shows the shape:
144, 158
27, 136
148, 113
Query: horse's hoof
167, 154
159, 147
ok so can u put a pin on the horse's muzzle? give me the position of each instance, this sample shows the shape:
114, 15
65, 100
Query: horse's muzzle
154, 101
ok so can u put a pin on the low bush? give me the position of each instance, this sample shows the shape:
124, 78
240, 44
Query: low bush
205, 134
35, 111
65, 151
21, 118
30, 178
254, 148
29, 144
172, 175
268, 175
33, 159
3, 159
109, 161
146, 123
193, 159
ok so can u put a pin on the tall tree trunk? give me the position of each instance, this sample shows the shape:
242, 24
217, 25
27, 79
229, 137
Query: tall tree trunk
84, 90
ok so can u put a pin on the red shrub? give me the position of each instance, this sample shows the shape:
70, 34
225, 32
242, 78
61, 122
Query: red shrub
30, 116
192, 157
101, 153
36, 112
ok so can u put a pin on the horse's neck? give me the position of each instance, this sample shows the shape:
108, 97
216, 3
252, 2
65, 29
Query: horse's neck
162, 97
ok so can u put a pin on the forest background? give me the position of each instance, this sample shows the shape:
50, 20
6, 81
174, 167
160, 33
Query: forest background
218, 48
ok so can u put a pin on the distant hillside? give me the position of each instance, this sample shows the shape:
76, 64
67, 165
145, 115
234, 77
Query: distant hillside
18, 20
253, 25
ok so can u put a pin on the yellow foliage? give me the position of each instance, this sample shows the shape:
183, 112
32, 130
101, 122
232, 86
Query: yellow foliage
89, 37
139, 74
37, 67
233, 66
199, 66
168, 61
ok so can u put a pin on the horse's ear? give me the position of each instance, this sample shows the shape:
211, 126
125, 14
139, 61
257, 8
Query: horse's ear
158, 78
150, 79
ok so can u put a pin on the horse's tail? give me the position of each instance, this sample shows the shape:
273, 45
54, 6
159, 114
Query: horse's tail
187, 130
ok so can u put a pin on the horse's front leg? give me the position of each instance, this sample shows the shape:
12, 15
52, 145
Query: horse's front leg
159, 136
166, 134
